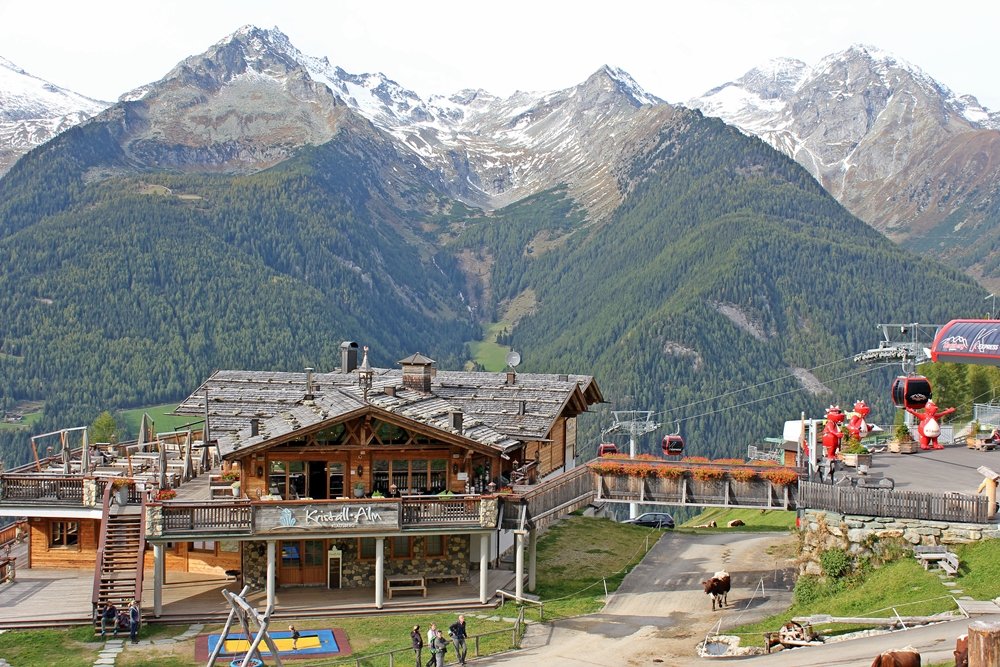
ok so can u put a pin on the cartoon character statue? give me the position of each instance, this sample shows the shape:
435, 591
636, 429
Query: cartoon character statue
831, 432
929, 428
856, 425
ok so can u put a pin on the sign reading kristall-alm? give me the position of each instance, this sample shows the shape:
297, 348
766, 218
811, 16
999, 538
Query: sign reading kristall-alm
325, 517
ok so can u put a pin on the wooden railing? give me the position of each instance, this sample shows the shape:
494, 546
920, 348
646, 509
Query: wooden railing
724, 492
456, 511
45, 488
898, 504
10, 534
235, 517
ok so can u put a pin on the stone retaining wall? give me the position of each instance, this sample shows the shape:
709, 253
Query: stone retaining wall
822, 530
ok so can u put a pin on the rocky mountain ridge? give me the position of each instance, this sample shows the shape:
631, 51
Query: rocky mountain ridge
896, 147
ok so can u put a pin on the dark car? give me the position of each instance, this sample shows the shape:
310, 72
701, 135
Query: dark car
653, 520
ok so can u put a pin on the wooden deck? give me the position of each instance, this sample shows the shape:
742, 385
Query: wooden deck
62, 597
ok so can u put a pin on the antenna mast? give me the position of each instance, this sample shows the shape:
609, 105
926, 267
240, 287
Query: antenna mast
635, 423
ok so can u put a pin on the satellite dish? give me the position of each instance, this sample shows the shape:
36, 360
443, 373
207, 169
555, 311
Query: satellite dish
513, 359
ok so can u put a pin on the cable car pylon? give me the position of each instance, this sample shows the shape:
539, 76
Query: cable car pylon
635, 423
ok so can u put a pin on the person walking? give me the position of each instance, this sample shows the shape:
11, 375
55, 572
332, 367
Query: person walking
417, 639
109, 616
458, 635
438, 648
431, 634
295, 637
134, 619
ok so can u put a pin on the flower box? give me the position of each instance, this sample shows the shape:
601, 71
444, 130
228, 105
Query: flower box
855, 460
903, 447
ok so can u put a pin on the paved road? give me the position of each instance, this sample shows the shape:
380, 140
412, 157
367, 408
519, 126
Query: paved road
660, 612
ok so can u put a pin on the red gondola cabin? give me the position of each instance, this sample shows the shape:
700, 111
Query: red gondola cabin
911, 391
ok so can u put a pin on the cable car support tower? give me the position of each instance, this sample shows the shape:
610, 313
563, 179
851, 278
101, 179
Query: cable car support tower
635, 423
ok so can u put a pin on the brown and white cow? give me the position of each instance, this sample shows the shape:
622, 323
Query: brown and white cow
903, 658
718, 588
962, 651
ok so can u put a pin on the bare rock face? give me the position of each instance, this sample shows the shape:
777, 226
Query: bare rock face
893, 145
32, 111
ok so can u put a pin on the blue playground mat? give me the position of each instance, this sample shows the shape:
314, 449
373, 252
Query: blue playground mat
311, 642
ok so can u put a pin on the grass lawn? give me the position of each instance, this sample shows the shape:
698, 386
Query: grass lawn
163, 421
902, 585
29, 420
68, 647
368, 635
755, 520
579, 554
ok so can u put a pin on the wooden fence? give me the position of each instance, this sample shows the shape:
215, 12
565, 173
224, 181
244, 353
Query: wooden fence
897, 504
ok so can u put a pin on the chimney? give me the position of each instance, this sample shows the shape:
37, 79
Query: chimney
563, 377
455, 419
511, 377
389, 390
254, 427
309, 384
417, 372
348, 356
521, 407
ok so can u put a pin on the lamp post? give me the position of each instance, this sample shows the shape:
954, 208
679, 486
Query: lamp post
993, 306
365, 374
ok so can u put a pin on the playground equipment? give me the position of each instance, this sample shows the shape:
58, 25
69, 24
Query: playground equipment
241, 609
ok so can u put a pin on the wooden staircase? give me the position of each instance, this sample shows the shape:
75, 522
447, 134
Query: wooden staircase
120, 556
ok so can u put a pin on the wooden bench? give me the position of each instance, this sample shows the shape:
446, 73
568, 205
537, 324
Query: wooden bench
405, 582
940, 556
456, 577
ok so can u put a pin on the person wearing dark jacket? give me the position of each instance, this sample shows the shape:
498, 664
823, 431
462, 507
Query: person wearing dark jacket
134, 619
109, 615
417, 640
458, 635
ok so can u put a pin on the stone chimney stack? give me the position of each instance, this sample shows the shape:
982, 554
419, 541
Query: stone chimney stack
254, 427
348, 356
309, 384
418, 371
455, 418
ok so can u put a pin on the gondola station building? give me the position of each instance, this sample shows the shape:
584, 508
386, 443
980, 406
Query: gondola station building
383, 479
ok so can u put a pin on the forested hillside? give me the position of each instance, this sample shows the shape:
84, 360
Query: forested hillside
726, 268
130, 290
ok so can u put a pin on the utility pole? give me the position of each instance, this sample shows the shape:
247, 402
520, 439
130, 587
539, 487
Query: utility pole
635, 423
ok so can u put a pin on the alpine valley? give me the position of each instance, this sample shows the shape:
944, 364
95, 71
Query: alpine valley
257, 206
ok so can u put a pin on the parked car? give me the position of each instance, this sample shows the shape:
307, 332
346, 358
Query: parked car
606, 448
653, 520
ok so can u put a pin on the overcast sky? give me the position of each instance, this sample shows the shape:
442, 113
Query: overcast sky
673, 49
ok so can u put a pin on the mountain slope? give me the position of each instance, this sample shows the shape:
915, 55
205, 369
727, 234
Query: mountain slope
246, 212
893, 145
32, 111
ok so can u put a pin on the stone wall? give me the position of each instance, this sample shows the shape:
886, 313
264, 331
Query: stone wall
358, 573
856, 534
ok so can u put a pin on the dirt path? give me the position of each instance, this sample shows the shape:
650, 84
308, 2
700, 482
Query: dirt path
660, 612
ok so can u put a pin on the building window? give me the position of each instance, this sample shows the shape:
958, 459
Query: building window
434, 545
414, 477
207, 546
401, 547
64, 534
366, 550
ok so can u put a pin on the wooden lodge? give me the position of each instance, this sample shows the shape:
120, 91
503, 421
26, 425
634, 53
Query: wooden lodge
377, 478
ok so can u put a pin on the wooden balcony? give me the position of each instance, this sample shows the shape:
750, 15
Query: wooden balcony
37, 488
233, 517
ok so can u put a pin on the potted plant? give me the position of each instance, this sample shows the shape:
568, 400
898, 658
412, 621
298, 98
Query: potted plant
119, 486
903, 442
165, 494
854, 454
377, 494
359, 489
235, 486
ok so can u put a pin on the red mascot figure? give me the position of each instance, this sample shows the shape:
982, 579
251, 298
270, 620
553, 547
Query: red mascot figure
856, 425
831, 432
929, 428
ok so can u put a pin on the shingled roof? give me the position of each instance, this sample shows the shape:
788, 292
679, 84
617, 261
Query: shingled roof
500, 410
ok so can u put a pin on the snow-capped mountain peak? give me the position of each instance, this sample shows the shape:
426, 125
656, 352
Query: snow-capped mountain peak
32, 111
